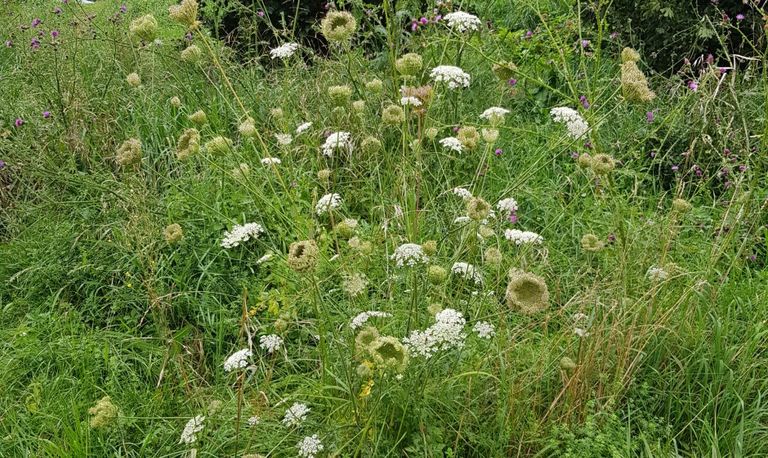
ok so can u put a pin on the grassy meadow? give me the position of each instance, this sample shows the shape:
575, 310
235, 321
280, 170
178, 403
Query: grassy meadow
486, 234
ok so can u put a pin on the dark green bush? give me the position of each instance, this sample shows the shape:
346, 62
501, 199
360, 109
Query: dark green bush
671, 31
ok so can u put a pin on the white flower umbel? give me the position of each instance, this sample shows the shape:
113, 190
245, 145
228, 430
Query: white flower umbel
327, 203
577, 126
271, 342
409, 254
241, 233
462, 192
656, 273
446, 333
461, 21
523, 237
237, 360
454, 77
452, 143
507, 206
484, 329
303, 128
194, 426
361, 318
337, 141
271, 161
410, 101
467, 271
296, 414
494, 114
284, 139
310, 446
284, 51
462, 220
254, 420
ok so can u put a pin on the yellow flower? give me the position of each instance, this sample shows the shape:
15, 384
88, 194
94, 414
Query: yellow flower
365, 391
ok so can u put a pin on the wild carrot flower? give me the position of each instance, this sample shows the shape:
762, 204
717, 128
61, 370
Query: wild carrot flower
453, 144
577, 126
338, 26
409, 254
241, 234
337, 141
462, 22
445, 334
467, 271
327, 203
237, 360
484, 329
296, 414
361, 318
454, 77
144, 27
271, 343
310, 446
302, 256
185, 13
103, 413
284, 51
523, 237
192, 428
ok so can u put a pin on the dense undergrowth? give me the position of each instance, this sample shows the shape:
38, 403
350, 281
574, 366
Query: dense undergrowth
565, 251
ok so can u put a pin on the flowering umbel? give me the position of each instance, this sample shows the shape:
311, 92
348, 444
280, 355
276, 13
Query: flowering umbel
129, 153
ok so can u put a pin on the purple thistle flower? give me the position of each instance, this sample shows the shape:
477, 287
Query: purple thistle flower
8, 44
649, 117
584, 43
123, 8
513, 217
414, 26
512, 82
584, 102
498, 152
424, 21
693, 85
574, 155
36, 22
46, 114
675, 168
260, 13
742, 168
2, 164
57, 10
528, 34
611, 238
35, 43
739, 17
54, 34
19, 122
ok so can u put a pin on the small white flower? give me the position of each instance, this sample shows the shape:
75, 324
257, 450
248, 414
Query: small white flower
271, 161
240, 234
303, 128
484, 329
285, 51
264, 258
462, 21
410, 101
454, 77
327, 203
237, 360
296, 414
271, 342
310, 446
361, 318
467, 271
254, 420
409, 254
452, 143
194, 426
577, 126
523, 237
284, 139
337, 141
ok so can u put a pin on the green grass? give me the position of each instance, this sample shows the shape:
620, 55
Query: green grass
95, 302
